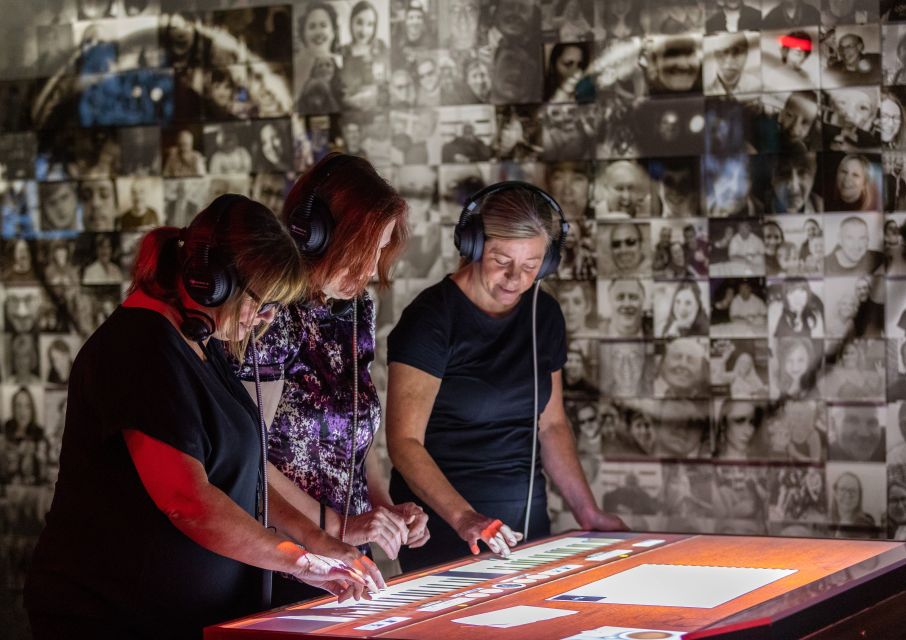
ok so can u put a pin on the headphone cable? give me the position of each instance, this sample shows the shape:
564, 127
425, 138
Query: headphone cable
266, 585
531, 486
355, 415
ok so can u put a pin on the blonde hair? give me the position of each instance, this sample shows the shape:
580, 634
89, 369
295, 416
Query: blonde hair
257, 246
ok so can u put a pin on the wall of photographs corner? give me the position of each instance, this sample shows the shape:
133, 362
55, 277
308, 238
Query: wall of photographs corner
734, 282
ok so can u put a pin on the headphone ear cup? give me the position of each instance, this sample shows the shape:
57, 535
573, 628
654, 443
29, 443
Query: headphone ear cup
554, 253
469, 238
196, 326
550, 264
207, 275
311, 225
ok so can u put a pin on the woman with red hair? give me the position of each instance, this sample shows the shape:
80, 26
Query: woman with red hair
318, 397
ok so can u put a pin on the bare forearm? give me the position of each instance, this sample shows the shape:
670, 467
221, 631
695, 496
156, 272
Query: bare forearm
427, 481
220, 525
558, 456
294, 522
290, 504
378, 489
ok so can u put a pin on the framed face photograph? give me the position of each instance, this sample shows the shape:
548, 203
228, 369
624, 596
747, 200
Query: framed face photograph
793, 246
739, 368
790, 58
624, 308
680, 248
739, 307
681, 309
624, 249
851, 55
732, 63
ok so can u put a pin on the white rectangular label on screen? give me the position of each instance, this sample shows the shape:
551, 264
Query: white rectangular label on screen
668, 585
513, 617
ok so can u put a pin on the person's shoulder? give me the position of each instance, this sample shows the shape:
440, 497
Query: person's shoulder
432, 303
438, 293
133, 334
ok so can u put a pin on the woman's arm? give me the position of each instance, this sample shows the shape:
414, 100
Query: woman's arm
387, 529
380, 525
297, 523
416, 520
179, 487
558, 455
410, 398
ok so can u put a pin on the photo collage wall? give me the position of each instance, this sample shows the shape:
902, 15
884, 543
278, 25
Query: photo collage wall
733, 171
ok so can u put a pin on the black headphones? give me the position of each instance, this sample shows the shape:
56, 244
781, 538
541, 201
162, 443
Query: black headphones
207, 273
468, 234
311, 223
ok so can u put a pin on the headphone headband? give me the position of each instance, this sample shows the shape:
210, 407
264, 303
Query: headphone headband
311, 222
468, 235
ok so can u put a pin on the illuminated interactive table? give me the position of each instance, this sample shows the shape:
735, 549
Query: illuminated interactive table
629, 586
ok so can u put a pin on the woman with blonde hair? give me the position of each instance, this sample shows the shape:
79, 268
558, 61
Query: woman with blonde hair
166, 461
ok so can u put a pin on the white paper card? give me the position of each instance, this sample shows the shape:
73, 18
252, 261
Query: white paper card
668, 585
626, 633
513, 617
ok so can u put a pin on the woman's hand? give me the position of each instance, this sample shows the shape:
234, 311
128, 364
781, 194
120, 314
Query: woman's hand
333, 549
416, 521
596, 520
329, 574
385, 527
473, 526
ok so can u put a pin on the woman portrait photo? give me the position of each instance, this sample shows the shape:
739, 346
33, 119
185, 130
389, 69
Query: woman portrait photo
796, 368
894, 247
738, 424
892, 121
59, 270
59, 361
846, 508
366, 60
799, 312
566, 65
854, 370
317, 64
854, 186
25, 440
686, 313
734, 368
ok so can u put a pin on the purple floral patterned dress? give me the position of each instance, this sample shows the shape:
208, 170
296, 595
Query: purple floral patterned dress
310, 437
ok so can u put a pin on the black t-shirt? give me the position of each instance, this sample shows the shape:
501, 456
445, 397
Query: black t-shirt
107, 551
480, 428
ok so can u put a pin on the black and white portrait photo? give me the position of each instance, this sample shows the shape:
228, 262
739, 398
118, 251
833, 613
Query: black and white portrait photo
624, 308
732, 63
738, 307
791, 58
739, 368
680, 248
624, 249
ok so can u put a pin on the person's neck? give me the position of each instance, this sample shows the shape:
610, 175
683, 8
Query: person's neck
468, 281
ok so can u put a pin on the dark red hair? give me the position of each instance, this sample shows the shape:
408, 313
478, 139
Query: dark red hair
361, 203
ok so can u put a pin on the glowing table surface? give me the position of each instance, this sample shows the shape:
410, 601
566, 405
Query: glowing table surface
603, 585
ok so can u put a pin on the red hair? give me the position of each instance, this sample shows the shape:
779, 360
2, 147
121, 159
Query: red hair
361, 203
